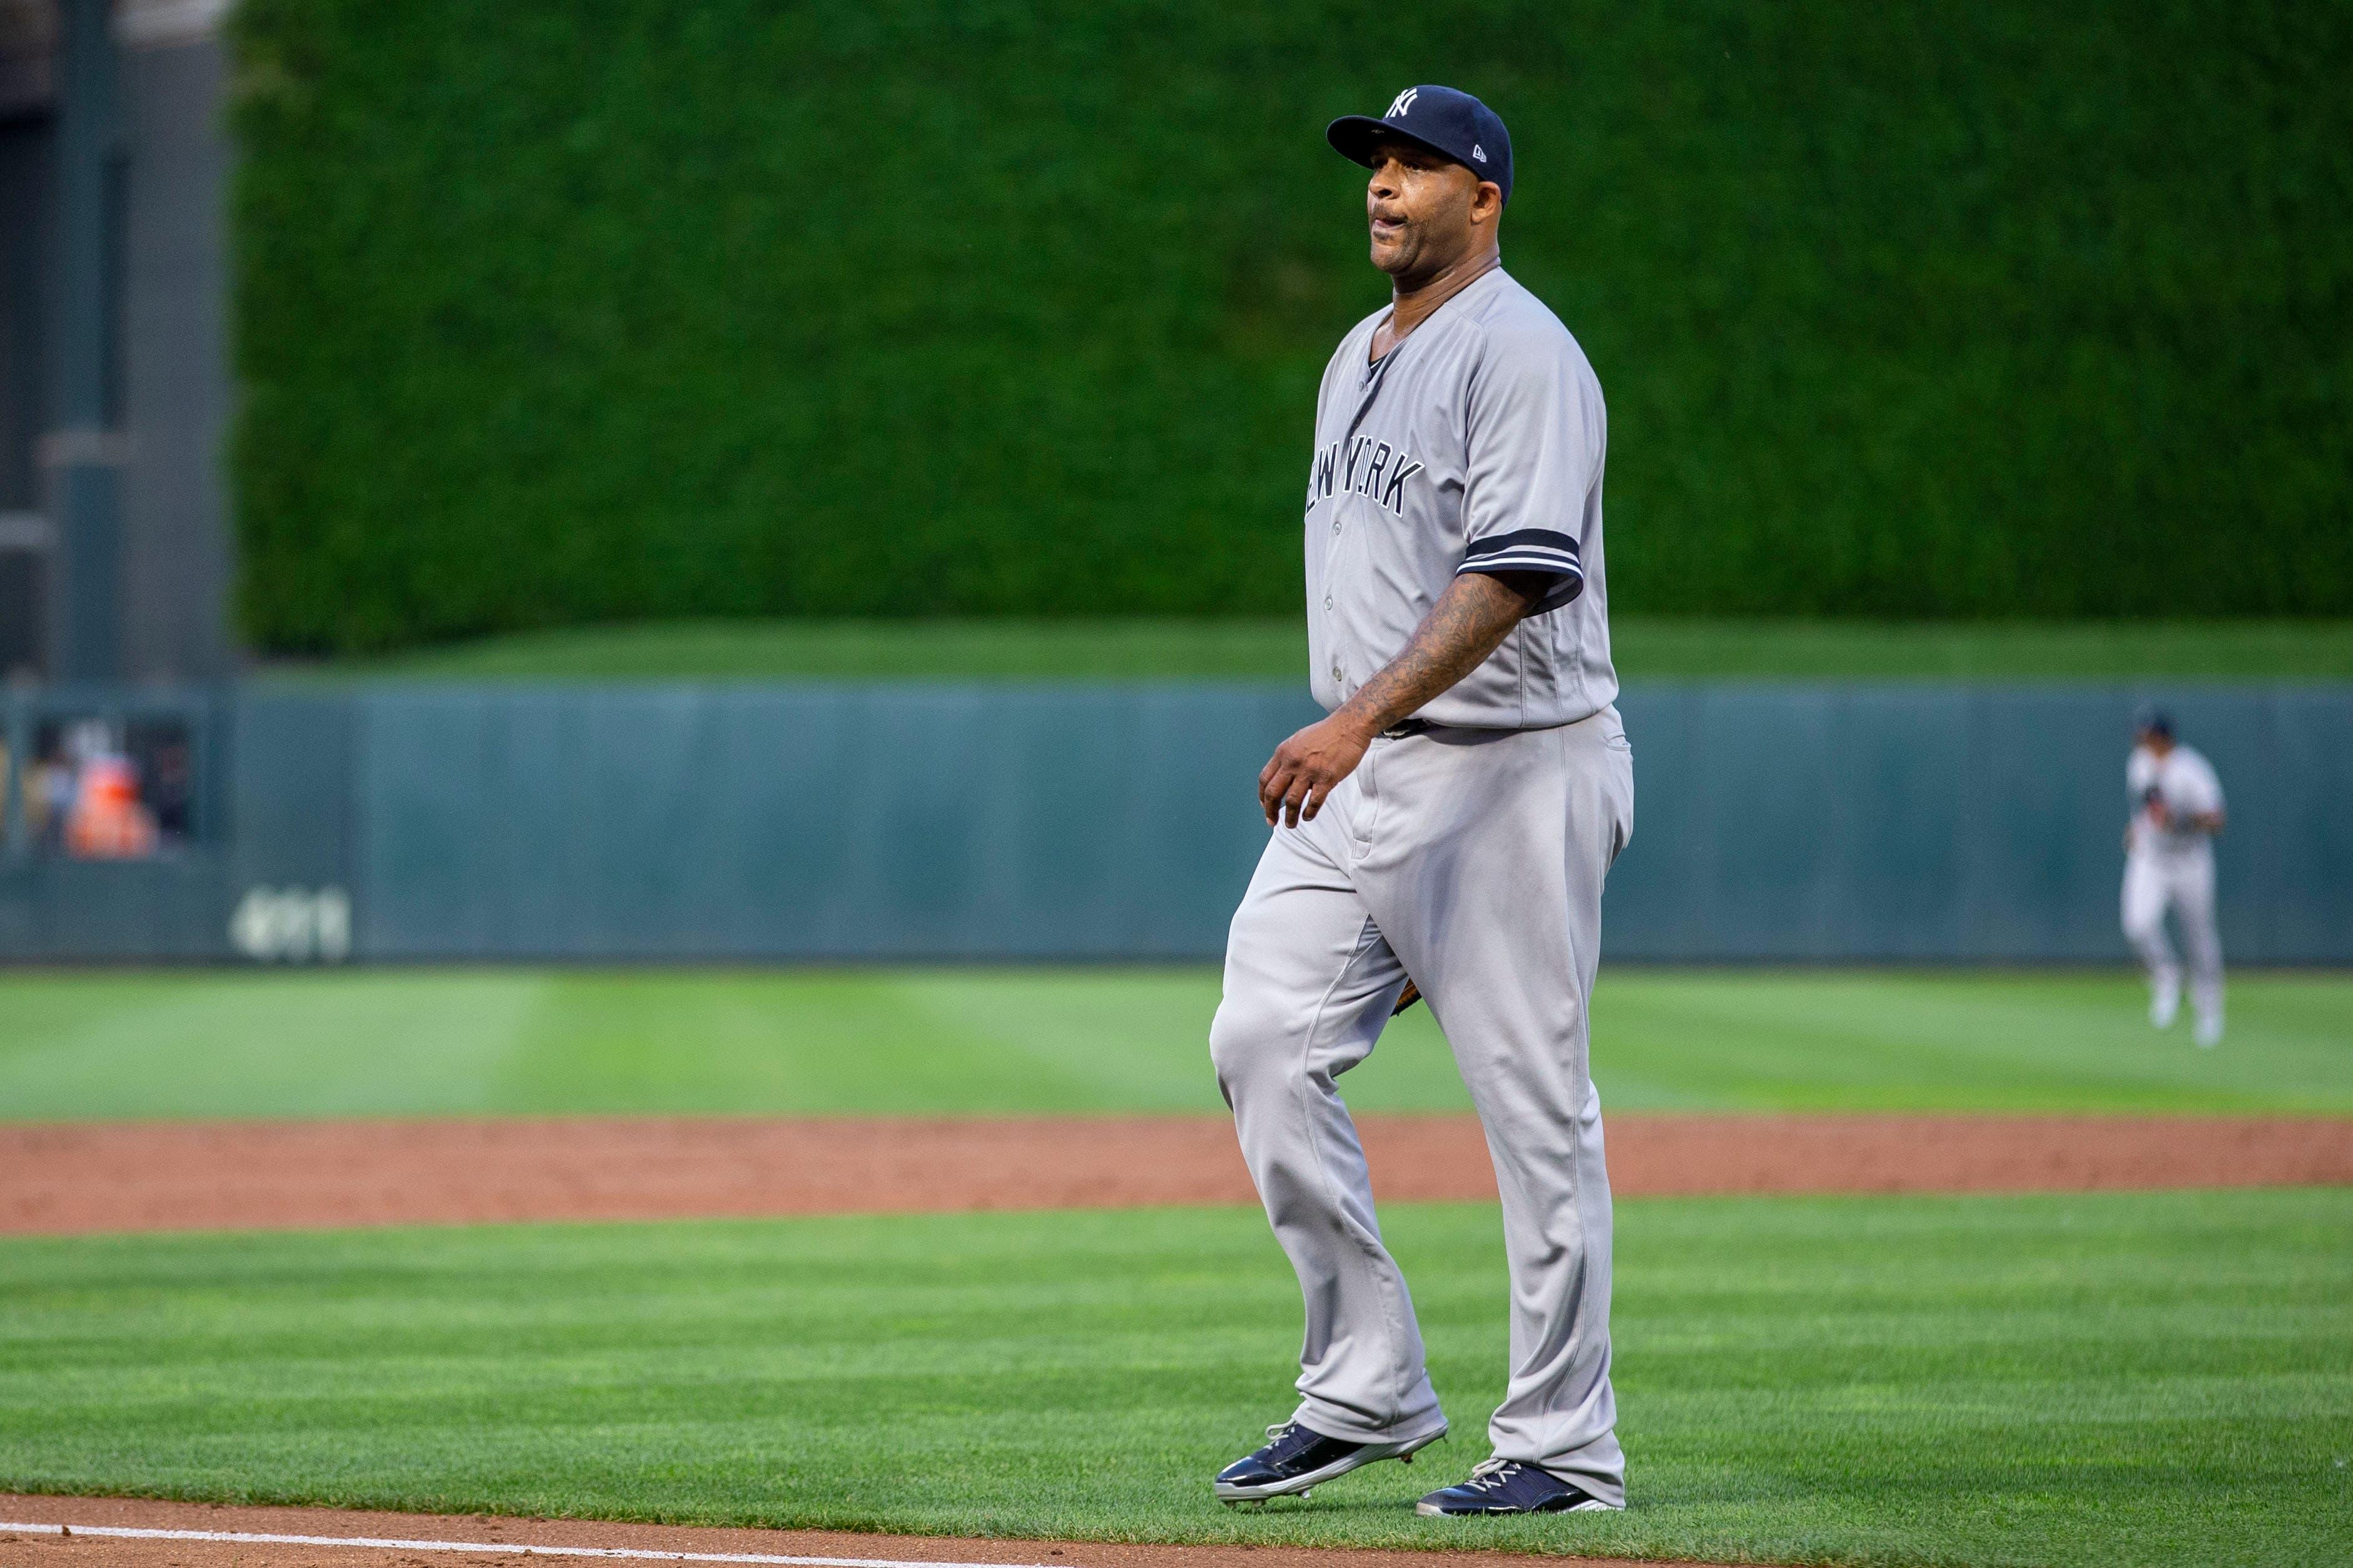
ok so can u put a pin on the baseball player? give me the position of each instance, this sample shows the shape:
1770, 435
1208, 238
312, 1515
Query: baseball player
2177, 807
1447, 825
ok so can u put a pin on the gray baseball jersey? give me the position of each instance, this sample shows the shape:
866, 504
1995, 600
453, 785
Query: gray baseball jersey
2187, 783
1476, 445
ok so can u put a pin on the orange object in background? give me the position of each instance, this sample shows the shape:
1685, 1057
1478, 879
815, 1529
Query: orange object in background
107, 822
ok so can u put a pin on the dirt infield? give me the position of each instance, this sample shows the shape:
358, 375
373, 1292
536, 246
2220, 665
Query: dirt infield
64, 1178
435, 1535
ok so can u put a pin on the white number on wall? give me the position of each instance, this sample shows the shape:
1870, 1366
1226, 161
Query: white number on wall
293, 925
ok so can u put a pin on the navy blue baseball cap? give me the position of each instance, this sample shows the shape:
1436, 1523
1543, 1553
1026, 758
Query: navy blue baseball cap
1452, 123
2151, 720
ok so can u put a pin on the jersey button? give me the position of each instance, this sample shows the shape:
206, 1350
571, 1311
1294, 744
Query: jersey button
1336, 525
1327, 601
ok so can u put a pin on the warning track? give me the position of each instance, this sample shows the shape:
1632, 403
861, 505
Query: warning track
70, 1178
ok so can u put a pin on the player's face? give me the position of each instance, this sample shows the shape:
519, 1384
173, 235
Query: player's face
1426, 212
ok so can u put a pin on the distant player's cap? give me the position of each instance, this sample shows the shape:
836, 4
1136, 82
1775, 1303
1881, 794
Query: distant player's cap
1453, 123
2152, 720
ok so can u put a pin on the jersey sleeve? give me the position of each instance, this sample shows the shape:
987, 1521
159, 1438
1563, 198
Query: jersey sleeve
1529, 465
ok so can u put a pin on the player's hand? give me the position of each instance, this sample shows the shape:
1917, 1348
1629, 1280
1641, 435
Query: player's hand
1293, 784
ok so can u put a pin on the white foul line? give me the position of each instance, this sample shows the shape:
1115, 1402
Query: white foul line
513, 1549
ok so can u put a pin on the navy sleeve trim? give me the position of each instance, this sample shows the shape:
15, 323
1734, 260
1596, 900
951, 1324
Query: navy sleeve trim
1527, 550
1538, 550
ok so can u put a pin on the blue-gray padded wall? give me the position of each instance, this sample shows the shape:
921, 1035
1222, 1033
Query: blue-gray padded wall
2309, 853
1800, 823
288, 816
1952, 823
1794, 823
162, 910
809, 821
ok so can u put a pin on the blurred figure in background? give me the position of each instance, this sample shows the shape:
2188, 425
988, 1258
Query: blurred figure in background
48, 788
2177, 805
84, 797
167, 774
107, 822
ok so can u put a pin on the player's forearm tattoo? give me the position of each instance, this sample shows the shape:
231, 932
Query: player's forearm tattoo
1469, 622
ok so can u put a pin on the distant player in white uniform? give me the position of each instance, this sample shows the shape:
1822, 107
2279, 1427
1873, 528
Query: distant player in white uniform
1448, 825
2177, 810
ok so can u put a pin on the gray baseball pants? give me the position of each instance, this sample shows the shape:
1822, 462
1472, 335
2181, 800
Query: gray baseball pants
2183, 880
1472, 861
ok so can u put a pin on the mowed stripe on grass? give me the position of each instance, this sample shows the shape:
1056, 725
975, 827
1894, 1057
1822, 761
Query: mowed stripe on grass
97, 1046
71, 1178
2159, 1378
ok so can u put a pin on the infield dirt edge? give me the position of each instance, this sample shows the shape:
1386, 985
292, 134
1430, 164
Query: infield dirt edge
75, 1178
913, 1550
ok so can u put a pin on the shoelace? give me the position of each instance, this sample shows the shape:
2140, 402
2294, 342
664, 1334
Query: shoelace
1492, 1475
1280, 1434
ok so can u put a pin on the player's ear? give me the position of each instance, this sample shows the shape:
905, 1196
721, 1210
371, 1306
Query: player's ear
1487, 203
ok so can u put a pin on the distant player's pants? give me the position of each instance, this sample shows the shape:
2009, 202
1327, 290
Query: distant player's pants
1472, 861
2183, 881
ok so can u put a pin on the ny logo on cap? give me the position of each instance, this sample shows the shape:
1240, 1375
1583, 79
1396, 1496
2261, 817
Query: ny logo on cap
1403, 102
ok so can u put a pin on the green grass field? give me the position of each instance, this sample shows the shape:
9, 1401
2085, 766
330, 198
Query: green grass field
1647, 649
89, 1044
2160, 1378
2094, 1380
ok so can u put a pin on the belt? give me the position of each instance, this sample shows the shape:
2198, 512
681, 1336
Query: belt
1404, 727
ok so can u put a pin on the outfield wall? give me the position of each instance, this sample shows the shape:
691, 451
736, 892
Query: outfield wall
809, 822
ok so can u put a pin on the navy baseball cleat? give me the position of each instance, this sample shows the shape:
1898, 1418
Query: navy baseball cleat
1506, 1486
1295, 1459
